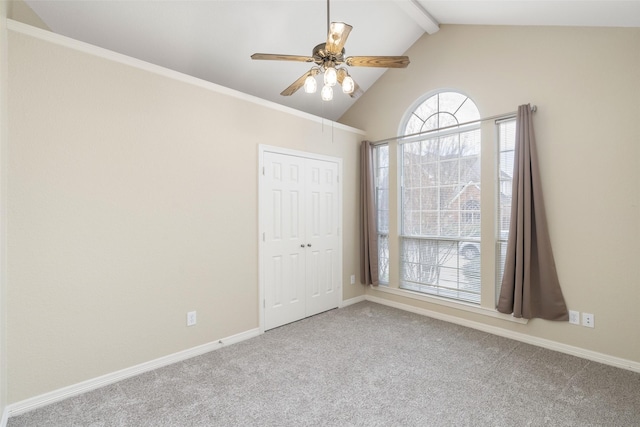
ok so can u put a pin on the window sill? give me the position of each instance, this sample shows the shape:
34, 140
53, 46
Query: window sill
472, 308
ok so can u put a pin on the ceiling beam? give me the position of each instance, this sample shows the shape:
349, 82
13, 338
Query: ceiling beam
419, 14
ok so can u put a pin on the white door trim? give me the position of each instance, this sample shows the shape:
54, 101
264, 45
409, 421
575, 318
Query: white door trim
261, 220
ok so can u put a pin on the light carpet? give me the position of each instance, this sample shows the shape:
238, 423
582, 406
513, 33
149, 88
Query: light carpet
363, 365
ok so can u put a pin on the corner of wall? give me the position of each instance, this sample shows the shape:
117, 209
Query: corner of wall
3, 144
20, 11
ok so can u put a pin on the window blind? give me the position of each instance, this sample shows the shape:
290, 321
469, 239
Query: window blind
506, 130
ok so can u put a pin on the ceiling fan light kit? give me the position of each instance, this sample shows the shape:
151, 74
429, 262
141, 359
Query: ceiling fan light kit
310, 85
348, 85
327, 93
328, 57
330, 76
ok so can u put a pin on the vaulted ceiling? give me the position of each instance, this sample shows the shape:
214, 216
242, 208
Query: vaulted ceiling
214, 39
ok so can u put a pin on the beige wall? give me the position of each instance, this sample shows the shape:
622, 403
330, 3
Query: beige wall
3, 231
20, 11
586, 84
133, 200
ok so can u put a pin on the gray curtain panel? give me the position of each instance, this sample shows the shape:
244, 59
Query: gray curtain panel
369, 232
530, 286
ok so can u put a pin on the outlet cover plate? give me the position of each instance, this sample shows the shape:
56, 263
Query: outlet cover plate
574, 317
191, 318
588, 320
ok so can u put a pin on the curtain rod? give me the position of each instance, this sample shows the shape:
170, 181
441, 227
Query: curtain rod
534, 108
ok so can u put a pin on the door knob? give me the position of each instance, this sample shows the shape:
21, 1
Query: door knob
302, 245
309, 244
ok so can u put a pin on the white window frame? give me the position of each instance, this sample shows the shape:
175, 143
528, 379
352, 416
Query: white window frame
489, 156
460, 287
501, 236
383, 266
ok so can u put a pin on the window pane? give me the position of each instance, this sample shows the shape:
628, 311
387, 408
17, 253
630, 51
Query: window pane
506, 164
451, 102
428, 198
449, 147
449, 172
414, 125
449, 224
383, 258
411, 175
449, 269
449, 197
440, 247
429, 150
427, 108
470, 170
383, 211
381, 172
441, 110
502, 254
506, 146
468, 112
428, 223
446, 119
469, 143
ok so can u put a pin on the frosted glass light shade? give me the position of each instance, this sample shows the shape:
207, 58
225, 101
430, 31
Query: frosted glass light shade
327, 93
330, 76
310, 85
348, 85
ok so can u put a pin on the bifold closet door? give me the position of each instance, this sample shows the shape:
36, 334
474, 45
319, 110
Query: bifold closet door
300, 252
284, 246
321, 234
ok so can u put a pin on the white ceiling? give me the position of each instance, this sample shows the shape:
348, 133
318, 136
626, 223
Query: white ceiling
214, 39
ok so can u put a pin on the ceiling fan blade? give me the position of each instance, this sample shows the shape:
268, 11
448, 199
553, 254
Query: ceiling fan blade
378, 61
337, 37
277, 57
355, 94
300, 82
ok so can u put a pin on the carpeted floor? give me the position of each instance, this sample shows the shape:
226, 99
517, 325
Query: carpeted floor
363, 365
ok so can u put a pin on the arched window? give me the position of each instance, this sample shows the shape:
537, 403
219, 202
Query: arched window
440, 197
441, 110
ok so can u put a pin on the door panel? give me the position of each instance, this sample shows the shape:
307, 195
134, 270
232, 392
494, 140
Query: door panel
322, 235
284, 248
300, 208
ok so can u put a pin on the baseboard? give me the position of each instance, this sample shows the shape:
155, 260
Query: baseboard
92, 384
354, 300
518, 336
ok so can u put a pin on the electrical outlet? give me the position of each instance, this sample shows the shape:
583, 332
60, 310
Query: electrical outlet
588, 320
574, 317
191, 318
353, 279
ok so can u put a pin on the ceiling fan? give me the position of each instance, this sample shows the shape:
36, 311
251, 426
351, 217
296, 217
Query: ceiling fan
328, 58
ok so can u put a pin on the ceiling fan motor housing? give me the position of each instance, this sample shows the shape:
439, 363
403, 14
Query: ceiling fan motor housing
325, 58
